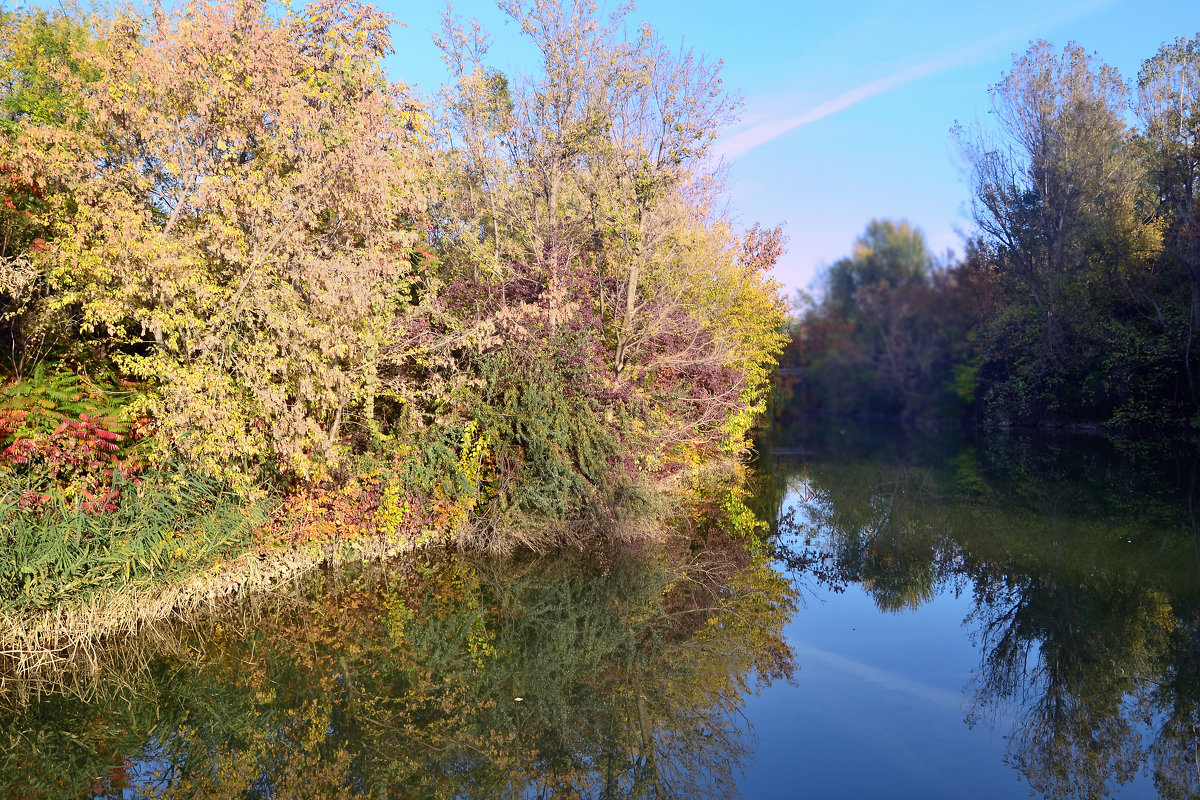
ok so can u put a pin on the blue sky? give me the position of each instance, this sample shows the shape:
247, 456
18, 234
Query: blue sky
848, 105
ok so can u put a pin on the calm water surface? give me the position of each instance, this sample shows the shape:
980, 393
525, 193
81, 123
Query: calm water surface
999, 616
940, 616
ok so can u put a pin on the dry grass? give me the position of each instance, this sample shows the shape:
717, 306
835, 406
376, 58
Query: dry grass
40, 651
46, 650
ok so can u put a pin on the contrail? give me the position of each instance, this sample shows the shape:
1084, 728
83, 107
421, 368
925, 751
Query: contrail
931, 694
744, 141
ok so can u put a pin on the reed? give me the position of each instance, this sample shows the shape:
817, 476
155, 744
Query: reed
61, 553
41, 647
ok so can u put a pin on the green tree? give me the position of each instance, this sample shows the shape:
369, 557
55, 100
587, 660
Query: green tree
892, 326
1055, 199
1056, 173
1169, 109
888, 253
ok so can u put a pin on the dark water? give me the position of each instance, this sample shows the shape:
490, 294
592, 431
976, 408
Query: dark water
939, 616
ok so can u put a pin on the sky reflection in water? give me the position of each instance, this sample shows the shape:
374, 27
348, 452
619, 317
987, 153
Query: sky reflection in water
990, 618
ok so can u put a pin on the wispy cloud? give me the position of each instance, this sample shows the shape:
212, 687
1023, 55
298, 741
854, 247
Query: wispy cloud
759, 134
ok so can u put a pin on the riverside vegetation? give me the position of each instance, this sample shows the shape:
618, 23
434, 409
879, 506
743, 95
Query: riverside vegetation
260, 307
1078, 299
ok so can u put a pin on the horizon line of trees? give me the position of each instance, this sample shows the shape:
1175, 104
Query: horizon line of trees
1078, 297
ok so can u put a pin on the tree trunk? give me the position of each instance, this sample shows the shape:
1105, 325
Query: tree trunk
626, 331
1193, 324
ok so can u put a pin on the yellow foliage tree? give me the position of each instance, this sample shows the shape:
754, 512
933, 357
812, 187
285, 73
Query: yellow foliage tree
233, 226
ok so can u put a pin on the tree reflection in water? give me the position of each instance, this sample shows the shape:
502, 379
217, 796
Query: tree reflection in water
619, 674
603, 674
1081, 559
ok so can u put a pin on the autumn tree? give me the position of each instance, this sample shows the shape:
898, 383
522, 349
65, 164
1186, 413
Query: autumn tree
236, 233
597, 166
1056, 200
1058, 169
1079, 295
891, 328
888, 252
1169, 110
231, 217
37, 49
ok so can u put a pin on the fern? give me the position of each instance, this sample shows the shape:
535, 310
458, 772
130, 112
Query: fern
42, 402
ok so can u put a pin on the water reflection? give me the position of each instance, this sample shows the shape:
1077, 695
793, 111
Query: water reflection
602, 674
623, 674
1080, 558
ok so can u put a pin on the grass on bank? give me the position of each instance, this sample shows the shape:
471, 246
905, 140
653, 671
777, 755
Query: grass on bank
61, 553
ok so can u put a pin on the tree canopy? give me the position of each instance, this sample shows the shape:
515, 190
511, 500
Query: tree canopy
1078, 297
523, 298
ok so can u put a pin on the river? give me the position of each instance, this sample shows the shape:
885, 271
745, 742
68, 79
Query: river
937, 615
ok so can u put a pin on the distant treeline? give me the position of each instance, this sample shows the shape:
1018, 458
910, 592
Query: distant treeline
1078, 297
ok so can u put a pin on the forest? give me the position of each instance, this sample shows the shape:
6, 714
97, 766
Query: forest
1077, 301
255, 297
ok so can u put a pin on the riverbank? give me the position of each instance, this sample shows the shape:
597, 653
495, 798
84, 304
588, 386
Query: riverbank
437, 672
269, 545
308, 339
796, 416
66, 635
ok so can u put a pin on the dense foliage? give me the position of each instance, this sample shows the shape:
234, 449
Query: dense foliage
232, 249
1078, 299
